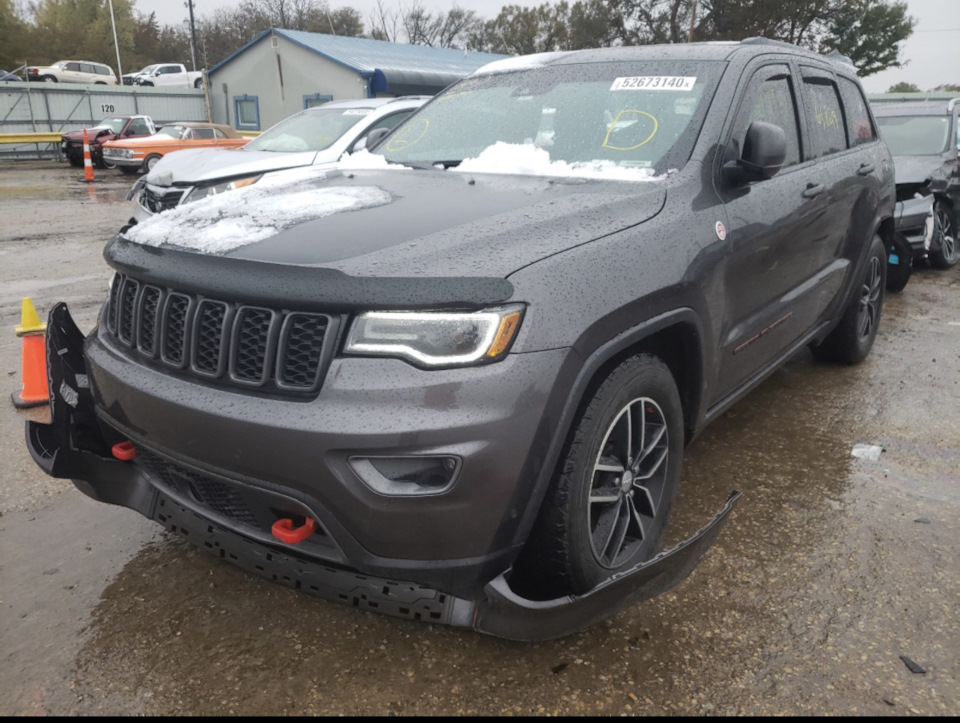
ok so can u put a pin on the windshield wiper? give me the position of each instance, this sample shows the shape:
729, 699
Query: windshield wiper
429, 165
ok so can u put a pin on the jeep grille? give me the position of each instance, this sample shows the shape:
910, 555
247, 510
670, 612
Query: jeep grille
252, 347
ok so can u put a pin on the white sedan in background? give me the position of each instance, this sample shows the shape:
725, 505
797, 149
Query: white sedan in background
311, 137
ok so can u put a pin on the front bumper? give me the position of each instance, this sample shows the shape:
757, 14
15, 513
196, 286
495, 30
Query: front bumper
76, 445
914, 219
122, 161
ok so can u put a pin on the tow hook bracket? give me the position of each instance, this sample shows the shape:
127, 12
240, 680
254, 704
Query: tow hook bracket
284, 530
124, 451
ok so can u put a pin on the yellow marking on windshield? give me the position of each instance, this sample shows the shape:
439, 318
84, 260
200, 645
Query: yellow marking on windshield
402, 142
606, 140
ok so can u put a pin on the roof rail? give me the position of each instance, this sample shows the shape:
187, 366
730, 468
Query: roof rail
834, 55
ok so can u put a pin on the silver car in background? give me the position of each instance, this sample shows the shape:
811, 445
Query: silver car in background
311, 137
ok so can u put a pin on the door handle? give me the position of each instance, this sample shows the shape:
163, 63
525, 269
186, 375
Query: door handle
865, 169
813, 190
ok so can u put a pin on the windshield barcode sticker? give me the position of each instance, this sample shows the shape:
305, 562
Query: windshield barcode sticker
654, 82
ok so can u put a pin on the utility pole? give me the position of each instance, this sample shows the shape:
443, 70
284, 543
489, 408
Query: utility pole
115, 43
193, 35
693, 20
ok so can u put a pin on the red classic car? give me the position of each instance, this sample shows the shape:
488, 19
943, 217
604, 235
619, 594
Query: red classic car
111, 128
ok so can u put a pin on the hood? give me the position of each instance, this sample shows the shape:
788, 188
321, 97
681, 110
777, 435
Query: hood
403, 223
916, 169
206, 165
94, 132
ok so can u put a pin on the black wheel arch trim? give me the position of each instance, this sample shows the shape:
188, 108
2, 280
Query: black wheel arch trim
588, 369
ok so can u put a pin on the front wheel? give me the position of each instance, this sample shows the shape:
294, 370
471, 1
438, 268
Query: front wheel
944, 251
608, 504
850, 342
150, 161
110, 165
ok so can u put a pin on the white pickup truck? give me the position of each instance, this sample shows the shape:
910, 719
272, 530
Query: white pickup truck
169, 74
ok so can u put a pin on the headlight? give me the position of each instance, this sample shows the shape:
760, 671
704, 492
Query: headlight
203, 191
436, 339
118, 152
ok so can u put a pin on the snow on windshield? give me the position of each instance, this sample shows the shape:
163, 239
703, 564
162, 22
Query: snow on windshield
527, 159
228, 221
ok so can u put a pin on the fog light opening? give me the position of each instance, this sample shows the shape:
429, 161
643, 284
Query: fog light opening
407, 476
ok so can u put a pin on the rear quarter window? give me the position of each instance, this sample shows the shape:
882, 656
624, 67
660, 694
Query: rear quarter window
859, 128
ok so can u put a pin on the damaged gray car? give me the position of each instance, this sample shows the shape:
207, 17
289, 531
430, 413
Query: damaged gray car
453, 379
923, 134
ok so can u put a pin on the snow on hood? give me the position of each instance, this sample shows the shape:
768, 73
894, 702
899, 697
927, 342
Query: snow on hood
225, 222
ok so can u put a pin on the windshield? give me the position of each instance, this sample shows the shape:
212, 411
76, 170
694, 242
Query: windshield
921, 135
172, 131
114, 124
144, 71
639, 115
312, 130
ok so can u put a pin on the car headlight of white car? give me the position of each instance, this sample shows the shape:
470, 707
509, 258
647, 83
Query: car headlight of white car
199, 192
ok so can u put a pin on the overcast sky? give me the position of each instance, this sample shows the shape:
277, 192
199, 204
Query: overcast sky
932, 53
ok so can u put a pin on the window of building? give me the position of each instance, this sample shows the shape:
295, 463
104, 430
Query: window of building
246, 109
311, 101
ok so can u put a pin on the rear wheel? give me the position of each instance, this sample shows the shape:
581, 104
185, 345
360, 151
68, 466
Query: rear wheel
48, 79
198, 83
609, 502
850, 342
944, 250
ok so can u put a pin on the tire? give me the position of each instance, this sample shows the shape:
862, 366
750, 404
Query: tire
76, 159
129, 170
150, 161
198, 83
944, 250
850, 342
109, 165
899, 263
48, 79
605, 510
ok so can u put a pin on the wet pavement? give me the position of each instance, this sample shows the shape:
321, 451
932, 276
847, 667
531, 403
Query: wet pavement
831, 570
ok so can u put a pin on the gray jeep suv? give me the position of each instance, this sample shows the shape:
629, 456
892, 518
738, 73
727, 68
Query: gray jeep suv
453, 379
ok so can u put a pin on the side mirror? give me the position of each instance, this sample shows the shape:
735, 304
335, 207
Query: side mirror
374, 137
764, 151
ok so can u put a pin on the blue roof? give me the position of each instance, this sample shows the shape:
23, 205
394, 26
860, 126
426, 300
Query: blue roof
390, 67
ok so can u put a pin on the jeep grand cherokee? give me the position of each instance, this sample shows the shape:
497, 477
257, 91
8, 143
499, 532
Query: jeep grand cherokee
453, 380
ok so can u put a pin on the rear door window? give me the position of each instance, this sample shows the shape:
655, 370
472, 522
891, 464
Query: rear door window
823, 114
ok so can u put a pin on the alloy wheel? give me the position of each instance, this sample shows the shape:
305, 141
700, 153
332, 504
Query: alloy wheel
629, 476
869, 310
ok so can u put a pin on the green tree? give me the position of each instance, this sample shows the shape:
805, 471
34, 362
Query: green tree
15, 37
903, 88
947, 88
869, 32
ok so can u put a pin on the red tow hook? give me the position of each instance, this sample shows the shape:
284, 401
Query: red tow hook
124, 451
284, 530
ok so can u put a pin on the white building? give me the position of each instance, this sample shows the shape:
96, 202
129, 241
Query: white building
281, 72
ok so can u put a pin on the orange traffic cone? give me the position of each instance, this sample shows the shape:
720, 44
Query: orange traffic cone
87, 163
36, 389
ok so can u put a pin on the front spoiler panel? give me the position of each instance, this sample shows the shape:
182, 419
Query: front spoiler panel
73, 446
